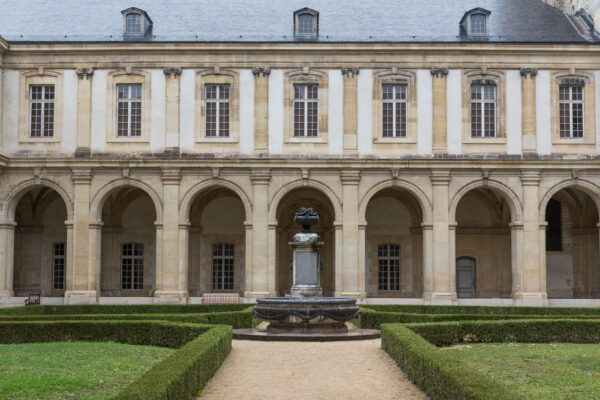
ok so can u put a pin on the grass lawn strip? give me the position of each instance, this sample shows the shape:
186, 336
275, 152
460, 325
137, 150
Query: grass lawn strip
563, 371
75, 370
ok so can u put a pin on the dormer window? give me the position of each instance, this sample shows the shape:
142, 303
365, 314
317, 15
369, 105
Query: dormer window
475, 23
306, 24
136, 23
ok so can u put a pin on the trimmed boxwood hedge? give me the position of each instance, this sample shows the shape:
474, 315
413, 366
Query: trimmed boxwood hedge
412, 347
123, 309
425, 309
237, 319
202, 350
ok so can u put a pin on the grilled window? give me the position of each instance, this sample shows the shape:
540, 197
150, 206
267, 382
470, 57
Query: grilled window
388, 256
394, 110
554, 228
483, 111
129, 110
58, 266
306, 110
133, 23
571, 111
478, 24
132, 266
217, 110
41, 105
222, 266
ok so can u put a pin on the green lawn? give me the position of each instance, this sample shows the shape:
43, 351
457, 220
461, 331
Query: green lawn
74, 370
537, 371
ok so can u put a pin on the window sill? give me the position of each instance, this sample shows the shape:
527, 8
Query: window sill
571, 141
485, 140
305, 140
128, 139
217, 139
407, 139
40, 140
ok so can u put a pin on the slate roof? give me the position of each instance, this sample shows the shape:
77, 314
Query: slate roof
511, 21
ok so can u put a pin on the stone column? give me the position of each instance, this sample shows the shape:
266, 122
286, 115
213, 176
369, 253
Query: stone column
452, 255
172, 109
529, 125
263, 237
531, 274
339, 257
441, 264
427, 261
248, 257
78, 276
84, 112
350, 75
516, 242
95, 262
352, 278
173, 279
439, 111
7, 248
362, 265
184, 245
261, 108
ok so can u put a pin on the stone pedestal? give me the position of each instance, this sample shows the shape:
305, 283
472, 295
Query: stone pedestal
305, 266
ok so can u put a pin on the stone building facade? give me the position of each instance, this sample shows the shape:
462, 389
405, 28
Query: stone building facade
157, 155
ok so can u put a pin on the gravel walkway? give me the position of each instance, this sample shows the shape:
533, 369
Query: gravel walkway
355, 370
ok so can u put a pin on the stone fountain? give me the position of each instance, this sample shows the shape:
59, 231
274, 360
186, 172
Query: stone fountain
305, 314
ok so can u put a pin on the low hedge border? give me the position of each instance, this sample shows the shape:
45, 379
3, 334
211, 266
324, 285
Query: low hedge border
123, 309
413, 348
372, 319
237, 319
429, 309
201, 350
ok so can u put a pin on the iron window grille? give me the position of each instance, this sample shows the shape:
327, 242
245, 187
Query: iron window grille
394, 110
483, 111
217, 110
58, 266
571, 100
388, 256
222, 266
306, 110
132, 266
129, 110
41, 115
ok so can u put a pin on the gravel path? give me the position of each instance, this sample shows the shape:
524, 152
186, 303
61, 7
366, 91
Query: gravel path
355, 370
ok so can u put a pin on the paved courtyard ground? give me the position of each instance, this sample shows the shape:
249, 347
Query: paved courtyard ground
356, 370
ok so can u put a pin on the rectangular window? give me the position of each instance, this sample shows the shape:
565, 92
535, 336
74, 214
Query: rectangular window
388, 256
58, 266
41, 106
394, 110
129, 110
306, 110
132, 266
222, 266
483, 111
217, 110
571, 111
133, 23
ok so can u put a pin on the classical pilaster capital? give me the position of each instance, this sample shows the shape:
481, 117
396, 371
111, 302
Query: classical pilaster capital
81, 176
350, 72
171, 176
260, 176
439, 72
172, 72
84, 73
529, 73
261, 72
530, 177
350, 177
440, 178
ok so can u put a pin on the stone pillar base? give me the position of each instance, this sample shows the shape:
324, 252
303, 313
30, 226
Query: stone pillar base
531, 299
5, 296
170, 297
81, 297
439, 298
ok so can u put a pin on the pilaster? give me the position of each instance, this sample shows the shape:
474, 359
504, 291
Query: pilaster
172, 75
439, 110
263, 237
261, 108
350, 75
529, 125
353, 279
7, 245
84, 111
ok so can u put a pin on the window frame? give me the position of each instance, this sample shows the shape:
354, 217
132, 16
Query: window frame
41, 77
141, 21
305, 102
217, 76
133, 257
224, 284
129, 101
392, 282
56, 258
570, 102
483, 101
43, 102
218, 101
314, 34
485, 24
403, 123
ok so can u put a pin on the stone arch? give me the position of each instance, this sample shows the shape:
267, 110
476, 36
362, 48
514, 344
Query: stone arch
412, 189
100, 197
513, 201
197, 189
311, 184
15, 195
587, 187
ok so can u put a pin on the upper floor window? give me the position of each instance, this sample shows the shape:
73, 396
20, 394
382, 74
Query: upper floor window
306, 24
571, 104
306, 110
133, 23
222, 266
136, 23
129, 110
483, 110
217, 99
475, 22
478, 24
394, 110
41, 106
132, 266
388, 258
